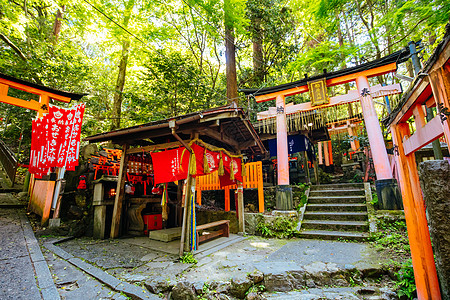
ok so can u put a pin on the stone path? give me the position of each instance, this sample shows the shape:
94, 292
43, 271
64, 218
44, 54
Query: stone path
72, 283
21, 261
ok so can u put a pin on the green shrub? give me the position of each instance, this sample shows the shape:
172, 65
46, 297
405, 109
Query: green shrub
188, 258
405, 284
280, 227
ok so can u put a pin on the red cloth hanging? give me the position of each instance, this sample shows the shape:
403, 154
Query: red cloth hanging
168, 167
55, 140
211, 156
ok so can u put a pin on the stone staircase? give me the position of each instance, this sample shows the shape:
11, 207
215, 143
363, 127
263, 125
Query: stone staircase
336, 211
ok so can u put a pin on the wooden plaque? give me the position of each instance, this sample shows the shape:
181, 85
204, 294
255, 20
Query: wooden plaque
318, 92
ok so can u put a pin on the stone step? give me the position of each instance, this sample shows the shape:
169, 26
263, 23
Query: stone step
336, 207
333, 235
337, 216
335, 225
338, 186
339, 192
337, 199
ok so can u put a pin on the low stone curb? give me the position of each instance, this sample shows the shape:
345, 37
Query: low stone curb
117, 285
43, 275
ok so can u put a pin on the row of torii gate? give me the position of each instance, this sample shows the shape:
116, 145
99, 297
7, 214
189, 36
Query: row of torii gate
421, 251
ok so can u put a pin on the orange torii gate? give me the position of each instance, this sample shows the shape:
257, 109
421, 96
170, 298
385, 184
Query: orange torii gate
431, 88
317, 87
350, 123
437, 82
43, 196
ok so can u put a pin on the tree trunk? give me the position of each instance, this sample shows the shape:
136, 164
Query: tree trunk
230, 57
230, 53
258, 56
58, 23
117, 106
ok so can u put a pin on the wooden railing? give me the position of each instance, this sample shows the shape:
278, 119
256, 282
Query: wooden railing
8, 161
253, 180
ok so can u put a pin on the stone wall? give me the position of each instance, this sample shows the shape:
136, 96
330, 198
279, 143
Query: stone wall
434, 181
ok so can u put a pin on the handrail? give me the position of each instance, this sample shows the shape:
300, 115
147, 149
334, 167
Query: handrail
9, 161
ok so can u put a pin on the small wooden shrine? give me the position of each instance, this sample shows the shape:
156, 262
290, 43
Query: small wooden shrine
180, 149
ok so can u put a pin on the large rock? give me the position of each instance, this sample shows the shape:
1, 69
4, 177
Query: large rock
158, 285
239, 286
434, 179
318, 272
220, 287
278, 282
183, 291
256, 276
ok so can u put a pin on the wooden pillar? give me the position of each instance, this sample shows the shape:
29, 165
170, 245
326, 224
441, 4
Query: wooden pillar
351, 135
120, 193
330, 152
260, 187
308, 176
190, 188
99, 211
44, 101
319, 147
419, 237
326, 153
240, 195
282, 146
379, 154
316, 172
437, 82
227, 198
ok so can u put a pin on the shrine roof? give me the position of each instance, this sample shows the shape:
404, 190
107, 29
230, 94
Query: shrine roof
226, 127
73, 96
396, 57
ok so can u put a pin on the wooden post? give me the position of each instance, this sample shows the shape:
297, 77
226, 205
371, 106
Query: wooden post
350, 133
437, 79
282, 146
379, 154
330, 152
308, 175
227, 198
419, 237
120, 191
326, 153
188, 203
316, 172
260, 187
240, 195
319, 147
43, 105
190, 184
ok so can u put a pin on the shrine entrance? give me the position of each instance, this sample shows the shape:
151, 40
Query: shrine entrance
43, 193
312, 115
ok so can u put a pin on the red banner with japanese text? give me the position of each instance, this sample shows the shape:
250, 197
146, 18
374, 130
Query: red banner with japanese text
55, 140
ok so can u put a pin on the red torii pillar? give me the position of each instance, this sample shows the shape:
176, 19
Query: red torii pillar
379, 154
284, 199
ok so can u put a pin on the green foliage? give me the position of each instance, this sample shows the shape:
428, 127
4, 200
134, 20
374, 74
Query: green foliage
324, 177
374, 201
391, 235
280, 227
405, 284
188, 258
300, 192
